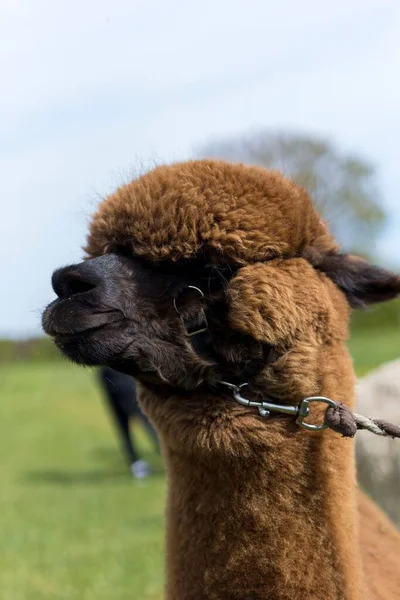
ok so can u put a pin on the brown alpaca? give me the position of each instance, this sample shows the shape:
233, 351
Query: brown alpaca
258, 508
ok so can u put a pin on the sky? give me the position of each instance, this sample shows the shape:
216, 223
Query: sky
94, 91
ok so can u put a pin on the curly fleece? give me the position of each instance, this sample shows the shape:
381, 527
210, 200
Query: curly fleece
245, 214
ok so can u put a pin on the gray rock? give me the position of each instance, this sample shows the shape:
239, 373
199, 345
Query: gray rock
378, 459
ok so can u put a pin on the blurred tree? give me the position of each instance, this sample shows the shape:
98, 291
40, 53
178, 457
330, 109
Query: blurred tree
342, 186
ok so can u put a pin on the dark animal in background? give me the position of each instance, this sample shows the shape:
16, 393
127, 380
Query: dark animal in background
120, 393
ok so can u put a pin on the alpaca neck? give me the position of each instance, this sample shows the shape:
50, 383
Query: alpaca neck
280, 526
258, 508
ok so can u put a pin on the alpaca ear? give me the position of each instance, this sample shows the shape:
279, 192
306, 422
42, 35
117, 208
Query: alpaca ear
361, 282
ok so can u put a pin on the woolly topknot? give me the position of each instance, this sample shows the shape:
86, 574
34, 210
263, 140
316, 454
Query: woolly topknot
211, 208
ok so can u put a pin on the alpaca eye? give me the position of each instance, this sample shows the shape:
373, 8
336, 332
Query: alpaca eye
123, 251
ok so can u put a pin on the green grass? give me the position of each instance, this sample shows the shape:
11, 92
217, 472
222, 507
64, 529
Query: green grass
373, 348
73, 524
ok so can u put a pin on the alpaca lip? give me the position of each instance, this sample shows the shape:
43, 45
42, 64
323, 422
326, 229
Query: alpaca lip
62, 324
77, 333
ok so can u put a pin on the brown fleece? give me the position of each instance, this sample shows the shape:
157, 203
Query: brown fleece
245, 214
380, 550
257, 509
261, 509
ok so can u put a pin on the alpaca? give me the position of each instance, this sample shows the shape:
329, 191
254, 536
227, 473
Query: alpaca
206, 272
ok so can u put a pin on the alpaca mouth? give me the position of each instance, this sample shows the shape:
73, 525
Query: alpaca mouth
64, 322
62, 336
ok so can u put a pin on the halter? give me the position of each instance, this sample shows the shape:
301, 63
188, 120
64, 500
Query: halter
337, 415
190, 333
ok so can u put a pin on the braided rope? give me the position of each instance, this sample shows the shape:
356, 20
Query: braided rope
343, 421
338, 416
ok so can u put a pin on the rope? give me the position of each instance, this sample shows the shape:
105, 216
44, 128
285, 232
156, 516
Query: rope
338, 416
343, 421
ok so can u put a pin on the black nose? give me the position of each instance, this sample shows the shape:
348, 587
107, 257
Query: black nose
76, 279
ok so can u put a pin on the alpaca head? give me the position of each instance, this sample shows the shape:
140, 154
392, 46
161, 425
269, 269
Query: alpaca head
238, 251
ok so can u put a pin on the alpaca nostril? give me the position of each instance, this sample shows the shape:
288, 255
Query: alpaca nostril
79, 287
68, 282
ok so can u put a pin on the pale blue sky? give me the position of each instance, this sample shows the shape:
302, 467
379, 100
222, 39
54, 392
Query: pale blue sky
92, 89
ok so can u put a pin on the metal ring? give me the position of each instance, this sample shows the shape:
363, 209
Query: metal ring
304, 411
192, 287
233, 386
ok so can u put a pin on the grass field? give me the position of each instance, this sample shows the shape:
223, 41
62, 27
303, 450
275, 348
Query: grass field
73, 524
370, 350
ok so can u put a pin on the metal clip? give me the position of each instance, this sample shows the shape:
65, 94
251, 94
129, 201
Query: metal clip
264, 407
301, 412
304, 411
